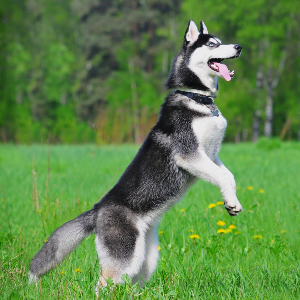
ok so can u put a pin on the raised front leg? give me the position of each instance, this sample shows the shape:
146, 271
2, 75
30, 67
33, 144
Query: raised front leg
219, 163
204, 168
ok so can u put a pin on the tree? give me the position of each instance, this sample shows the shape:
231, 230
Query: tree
124, 39
266, 29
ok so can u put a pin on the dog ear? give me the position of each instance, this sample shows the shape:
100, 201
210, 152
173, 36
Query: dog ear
192, 32
203, 28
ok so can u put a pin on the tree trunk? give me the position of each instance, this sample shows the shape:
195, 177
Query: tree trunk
259, 86
270, 83
256, 125
245, 135
285, 128
134, 98
165, 63
269, 115
150, 54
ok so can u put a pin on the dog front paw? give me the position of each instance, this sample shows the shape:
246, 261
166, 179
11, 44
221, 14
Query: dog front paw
233, 207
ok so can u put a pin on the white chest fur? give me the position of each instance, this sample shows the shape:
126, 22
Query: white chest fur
209, 132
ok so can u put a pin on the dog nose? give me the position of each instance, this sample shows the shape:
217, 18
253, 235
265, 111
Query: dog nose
238, 47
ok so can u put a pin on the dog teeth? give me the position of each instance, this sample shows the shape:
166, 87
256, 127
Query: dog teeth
214, 67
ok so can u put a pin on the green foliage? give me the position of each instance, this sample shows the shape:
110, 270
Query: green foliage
268, 31
58, 62
234, 265
268, 143
91, 59
25, 128
121, 93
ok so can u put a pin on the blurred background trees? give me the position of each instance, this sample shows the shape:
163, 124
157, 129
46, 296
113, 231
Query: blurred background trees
77, 71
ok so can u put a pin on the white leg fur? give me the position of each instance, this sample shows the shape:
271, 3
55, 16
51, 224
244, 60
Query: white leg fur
151, 259
115, 269
219, 163
32, 278
204, 168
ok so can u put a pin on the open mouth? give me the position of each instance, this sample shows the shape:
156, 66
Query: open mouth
215, 65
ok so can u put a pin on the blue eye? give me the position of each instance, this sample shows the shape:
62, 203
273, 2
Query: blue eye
211, 44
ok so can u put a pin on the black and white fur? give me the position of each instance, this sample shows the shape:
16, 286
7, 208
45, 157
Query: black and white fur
180, 149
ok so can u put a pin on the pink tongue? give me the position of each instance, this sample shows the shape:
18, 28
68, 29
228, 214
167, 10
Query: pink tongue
223, 70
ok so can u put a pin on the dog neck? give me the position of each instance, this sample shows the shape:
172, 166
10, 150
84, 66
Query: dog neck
201, 99
204, 93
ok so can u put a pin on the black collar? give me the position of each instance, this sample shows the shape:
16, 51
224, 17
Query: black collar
201, 99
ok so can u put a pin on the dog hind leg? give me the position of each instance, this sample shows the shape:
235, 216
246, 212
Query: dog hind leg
151, 257
121, 250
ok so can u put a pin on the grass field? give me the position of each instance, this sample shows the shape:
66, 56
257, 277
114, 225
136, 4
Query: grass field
258, 259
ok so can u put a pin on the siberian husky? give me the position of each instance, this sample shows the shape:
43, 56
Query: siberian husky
180, 149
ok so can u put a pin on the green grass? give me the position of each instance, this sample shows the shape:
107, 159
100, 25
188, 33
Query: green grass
216, 266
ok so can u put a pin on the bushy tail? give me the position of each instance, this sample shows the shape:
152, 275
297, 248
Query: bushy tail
61, 243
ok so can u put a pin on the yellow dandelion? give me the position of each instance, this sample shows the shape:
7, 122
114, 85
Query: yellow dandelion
63, 273
46, 241
221, 223
237, 232
78, 271
221, 231
211, 205
39, 210
160, 232
232, 227
194, 236
158, 248
261, 191
250, 188
257, 236
283, 231
228, 230
220, 203
183, 209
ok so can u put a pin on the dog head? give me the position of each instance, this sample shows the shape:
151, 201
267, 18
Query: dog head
199, 60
